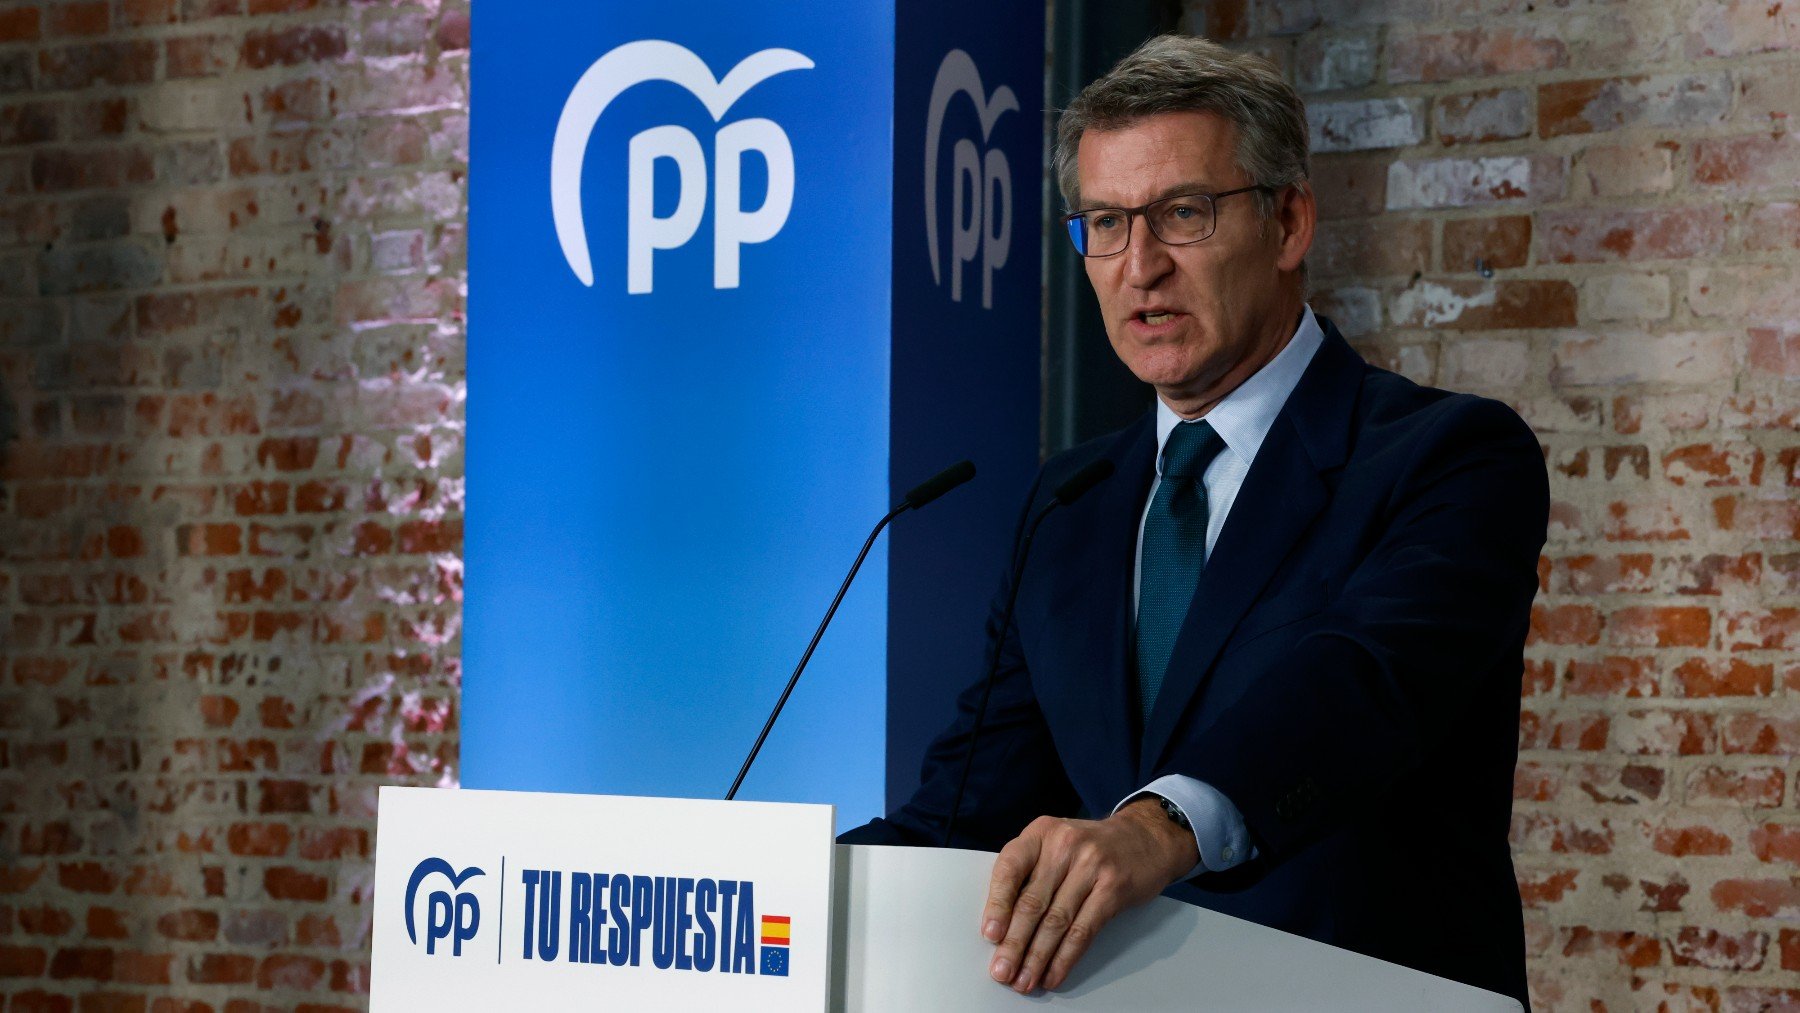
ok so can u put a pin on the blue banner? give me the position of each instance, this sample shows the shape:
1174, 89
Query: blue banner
679, 363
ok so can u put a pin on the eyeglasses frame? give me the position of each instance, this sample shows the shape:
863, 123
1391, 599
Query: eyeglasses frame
1141, 212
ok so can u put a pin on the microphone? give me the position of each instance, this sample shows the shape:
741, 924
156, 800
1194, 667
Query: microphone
1075, 487
937, 485
918, 496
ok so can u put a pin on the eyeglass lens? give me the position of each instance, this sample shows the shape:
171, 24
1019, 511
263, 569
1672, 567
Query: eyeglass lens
1102, 232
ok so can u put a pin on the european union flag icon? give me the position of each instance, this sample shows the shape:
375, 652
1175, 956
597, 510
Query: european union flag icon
774, 960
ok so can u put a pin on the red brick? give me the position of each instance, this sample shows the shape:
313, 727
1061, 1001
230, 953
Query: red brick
318, 930
133, 968
292, 45
1538, 890
83, 17
1486, 305
284, 971
1670, 100
22, 961
1703, 677
1370, 247
1761, 735
284, 797
149, 12
1762, 787
1471, 53
99, 63
257, 498
1713, 465
44, 921
1698, 947
199, 56
1501, 242
1587, 236
221, 969
334, 843
1545, 832
1753, 163
1684, 841
1630, 949
1483, 116
1773, 842
1660, 626
1565, 624
1759, 898
431, 536
1736, 27
1664, 732
107, 923
1611, 676
1350, 185
1775, 351
19, 24
93, 963
1773, 227
218, 711
1592, 575
86, 877
1772, 629
453, 31
1586, 732
1777, 519
286, 883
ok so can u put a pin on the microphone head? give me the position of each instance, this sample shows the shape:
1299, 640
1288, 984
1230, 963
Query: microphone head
1079, 483
939, 484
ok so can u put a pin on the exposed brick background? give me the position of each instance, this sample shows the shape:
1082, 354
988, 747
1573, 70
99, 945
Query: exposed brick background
1628, 175
231, 385
231, 381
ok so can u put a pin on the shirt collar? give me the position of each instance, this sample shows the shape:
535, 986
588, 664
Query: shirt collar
1244, 416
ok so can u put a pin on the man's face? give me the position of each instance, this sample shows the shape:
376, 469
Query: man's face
1195, 319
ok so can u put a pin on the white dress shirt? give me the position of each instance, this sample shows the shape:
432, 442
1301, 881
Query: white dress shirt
1242, 419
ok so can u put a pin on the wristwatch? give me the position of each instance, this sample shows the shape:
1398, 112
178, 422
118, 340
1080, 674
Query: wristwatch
1174, 812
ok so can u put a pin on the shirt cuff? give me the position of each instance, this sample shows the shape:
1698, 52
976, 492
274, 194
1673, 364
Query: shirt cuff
1219, 830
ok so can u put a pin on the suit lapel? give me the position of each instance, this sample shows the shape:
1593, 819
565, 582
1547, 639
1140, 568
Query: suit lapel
1093, 602
1279, 499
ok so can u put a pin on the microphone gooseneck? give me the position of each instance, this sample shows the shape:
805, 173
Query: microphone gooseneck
921, 494
1071, 490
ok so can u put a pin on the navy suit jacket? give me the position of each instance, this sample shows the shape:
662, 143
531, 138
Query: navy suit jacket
1348, 674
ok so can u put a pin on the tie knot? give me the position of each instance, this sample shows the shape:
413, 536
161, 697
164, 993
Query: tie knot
1191, 447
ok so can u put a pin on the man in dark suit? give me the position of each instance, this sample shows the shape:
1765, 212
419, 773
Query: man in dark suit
1278, 653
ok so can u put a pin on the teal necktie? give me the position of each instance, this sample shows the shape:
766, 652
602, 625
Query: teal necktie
1174, 552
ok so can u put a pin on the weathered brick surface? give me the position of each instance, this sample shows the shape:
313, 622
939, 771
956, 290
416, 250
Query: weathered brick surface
231, 385
1591, 210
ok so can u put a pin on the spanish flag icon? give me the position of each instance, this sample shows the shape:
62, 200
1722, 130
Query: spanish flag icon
777, 936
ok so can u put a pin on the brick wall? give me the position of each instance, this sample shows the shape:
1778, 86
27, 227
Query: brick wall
231, 383
1589, 210
231, 375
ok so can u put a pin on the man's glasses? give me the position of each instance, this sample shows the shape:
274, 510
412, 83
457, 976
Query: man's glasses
1177, 221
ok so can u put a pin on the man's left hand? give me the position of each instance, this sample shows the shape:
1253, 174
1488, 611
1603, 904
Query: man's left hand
1057, 883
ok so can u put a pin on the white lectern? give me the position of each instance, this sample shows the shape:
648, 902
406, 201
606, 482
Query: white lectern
488, 900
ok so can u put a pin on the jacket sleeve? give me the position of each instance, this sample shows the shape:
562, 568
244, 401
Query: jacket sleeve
1016, 775
1379, 680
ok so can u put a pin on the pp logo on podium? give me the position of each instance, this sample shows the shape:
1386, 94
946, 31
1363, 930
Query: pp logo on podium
450, 914
734, 226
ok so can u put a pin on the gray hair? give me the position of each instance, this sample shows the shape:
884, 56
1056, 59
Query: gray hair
1180, 73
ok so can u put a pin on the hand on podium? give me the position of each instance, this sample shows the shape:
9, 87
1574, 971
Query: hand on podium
1057, 883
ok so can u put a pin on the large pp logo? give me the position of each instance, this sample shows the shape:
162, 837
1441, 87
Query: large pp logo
450, 914
734, 226
981, 179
